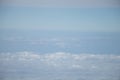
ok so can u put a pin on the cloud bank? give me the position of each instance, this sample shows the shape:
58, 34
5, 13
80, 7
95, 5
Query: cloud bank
60, 59
60, 65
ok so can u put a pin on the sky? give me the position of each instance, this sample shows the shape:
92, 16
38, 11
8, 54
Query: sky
80, 15
63, 3
92, 26
59, 39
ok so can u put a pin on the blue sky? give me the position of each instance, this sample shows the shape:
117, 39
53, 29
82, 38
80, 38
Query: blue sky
63, 3
89, 15
80, 26
82, 19
95, 24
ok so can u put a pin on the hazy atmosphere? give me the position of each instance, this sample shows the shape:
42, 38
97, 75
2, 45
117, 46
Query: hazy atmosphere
59, 40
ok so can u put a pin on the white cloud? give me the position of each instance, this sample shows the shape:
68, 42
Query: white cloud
60, 58
76, 66
84, 64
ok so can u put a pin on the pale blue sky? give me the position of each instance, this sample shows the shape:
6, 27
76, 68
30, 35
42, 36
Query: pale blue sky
87, 19
95, 24
62, 3
81, 15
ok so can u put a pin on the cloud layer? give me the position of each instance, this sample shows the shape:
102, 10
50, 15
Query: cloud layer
101, 66
59, 59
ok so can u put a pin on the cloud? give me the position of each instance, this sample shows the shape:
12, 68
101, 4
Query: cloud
60, 58
70, 64
63, 3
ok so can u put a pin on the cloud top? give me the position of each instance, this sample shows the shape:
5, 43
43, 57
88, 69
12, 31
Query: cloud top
60, 65
60, 59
